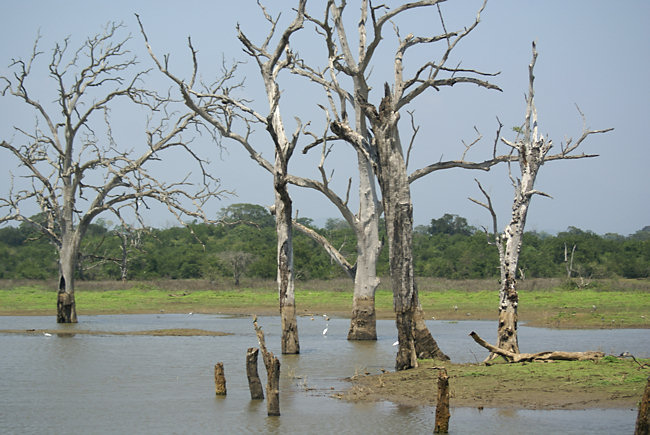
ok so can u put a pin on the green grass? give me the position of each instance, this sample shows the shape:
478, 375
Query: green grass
540, 304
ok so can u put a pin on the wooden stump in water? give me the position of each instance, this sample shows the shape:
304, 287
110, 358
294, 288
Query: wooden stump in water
254, 383
219, 380
442, 407
273, 386
272, 364
643, 419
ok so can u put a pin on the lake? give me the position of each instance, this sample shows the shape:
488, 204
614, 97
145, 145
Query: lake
104, 384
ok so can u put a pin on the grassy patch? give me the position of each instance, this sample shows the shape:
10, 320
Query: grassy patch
610, 304
610, 382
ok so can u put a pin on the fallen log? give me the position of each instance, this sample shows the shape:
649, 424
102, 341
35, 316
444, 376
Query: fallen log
555, 355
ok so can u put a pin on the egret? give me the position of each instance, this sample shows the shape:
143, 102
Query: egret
396, 343
325, 330
189, 314
47, 334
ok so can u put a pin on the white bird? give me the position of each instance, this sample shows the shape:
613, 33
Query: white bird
47, 334
325, 330
189, 314
396, 343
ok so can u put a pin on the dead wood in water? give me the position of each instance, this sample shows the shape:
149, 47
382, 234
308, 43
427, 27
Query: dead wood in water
254, 383
539, 356
442, 406
219, 380
272, 365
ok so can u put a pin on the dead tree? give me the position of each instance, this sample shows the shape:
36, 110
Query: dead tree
381, 144
218, 106
272, 365
74, 167
531, 152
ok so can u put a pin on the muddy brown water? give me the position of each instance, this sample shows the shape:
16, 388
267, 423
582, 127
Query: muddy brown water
106, 383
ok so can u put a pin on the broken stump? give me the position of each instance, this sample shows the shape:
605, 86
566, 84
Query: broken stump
254, 383
643, 419
219, 380
442, 406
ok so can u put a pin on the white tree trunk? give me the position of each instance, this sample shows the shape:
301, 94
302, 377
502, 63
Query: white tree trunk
363, 321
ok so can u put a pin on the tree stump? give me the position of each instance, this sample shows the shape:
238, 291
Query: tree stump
643, 419
254, 383
272, 364
442, 407
219, 380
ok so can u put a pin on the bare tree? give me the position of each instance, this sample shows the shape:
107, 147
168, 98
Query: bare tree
238, 261
381, 143
74, 172
531, 151
216, 104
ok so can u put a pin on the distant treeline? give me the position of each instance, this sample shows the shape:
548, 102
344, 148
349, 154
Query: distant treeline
244, 245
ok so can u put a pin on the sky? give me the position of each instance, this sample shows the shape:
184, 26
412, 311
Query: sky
592, 53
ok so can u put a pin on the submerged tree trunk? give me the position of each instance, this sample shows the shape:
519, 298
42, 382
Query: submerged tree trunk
290, 344
363, 321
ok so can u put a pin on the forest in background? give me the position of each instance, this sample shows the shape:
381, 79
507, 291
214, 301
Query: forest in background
243, 244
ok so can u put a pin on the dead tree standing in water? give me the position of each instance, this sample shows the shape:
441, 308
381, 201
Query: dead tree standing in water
531, 153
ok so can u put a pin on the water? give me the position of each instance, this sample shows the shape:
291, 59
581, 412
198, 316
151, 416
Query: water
105, 384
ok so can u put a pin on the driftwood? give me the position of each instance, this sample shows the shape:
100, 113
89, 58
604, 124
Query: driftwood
254, 383
643, 418
272, 365
219, 380
442, 406
539, 356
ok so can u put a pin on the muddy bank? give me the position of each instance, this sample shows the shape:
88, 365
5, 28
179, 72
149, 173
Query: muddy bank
613, 383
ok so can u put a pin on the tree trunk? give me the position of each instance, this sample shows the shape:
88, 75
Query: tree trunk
442, 405
219, 380
254, 383
425, 346
643, 418
507, 329
363, 322
272, 365
290, 343
66, 311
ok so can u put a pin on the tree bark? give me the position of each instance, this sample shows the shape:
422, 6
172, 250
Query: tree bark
283, 225
425, 345
363, 321
539, 356
643, 418
254, 383
442, 405
219, 380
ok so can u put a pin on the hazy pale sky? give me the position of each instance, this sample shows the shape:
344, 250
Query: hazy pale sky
592, 53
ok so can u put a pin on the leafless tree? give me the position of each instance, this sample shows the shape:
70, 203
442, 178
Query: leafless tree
234, 119
72, 165
237, 261
380, 144
531, 151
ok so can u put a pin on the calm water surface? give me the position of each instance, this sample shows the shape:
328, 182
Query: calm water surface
103, 384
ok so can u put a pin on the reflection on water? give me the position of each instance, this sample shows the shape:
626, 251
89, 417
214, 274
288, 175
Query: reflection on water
144, 384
